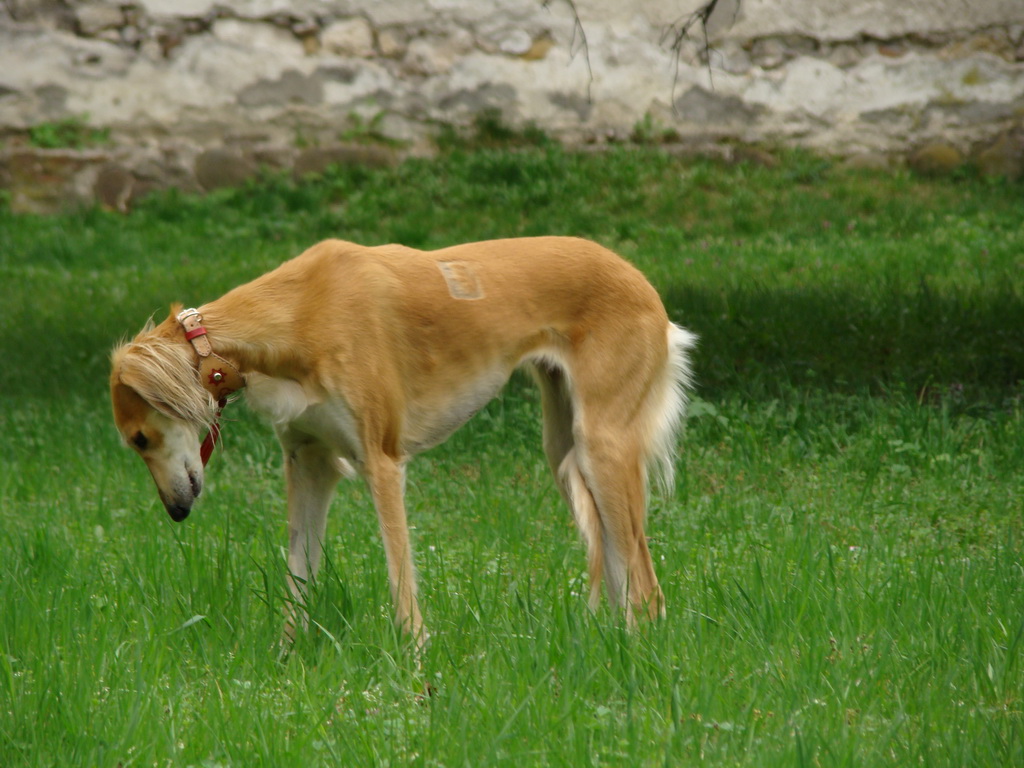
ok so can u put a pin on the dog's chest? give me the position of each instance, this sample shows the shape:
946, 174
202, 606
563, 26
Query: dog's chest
285, 405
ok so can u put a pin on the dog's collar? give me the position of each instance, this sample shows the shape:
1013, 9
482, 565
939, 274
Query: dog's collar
218, 376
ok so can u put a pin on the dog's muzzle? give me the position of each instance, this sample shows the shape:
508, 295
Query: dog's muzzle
180, 504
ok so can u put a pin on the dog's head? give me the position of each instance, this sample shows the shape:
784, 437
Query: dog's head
161, 410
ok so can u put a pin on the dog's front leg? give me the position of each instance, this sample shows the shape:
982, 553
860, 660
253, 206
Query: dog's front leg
312, 473
386, 477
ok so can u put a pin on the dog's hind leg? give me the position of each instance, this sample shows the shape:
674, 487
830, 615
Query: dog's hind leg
627, 410
615, 476
556, 401
584, 509
603, 480
312, 472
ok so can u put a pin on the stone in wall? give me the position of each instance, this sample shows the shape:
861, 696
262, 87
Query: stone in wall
1002, 157
348, 37
44, 180
218, 168
114, 187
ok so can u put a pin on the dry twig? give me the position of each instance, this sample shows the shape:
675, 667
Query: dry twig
578, 42
678, 32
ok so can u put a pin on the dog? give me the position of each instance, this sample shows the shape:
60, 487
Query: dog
362, 357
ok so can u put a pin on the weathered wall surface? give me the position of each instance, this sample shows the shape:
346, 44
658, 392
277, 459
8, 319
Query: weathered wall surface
171, 78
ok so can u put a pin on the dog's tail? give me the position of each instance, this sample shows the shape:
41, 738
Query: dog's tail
668, 407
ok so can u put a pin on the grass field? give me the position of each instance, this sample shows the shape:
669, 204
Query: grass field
843, 557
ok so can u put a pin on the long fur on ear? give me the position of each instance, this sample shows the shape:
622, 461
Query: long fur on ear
162, 373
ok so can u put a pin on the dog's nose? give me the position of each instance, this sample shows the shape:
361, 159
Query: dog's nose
178, 513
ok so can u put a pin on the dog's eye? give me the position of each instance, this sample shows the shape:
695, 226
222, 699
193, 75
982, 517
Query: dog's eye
140, 441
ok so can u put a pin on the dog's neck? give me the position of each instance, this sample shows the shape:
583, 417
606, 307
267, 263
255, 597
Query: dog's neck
253, 341
259, 327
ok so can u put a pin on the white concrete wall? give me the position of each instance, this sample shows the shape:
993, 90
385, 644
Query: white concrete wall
836, 74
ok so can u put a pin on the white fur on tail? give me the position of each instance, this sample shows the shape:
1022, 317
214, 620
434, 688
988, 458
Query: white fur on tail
669, 406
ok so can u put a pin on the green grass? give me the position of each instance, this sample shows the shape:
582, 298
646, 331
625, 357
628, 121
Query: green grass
68, 133
843, 557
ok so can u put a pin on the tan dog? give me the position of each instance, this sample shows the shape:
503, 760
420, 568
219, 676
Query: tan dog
363, 357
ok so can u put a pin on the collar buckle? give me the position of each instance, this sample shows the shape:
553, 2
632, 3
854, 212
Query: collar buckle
218, 376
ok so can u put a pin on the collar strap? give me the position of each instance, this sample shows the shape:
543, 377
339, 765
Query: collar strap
218, 376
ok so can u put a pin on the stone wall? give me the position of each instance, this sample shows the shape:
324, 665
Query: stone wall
254, 82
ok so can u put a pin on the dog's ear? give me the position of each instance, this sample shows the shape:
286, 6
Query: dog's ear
132, 389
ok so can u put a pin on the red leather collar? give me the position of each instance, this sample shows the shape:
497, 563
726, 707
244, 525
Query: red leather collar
218, 376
